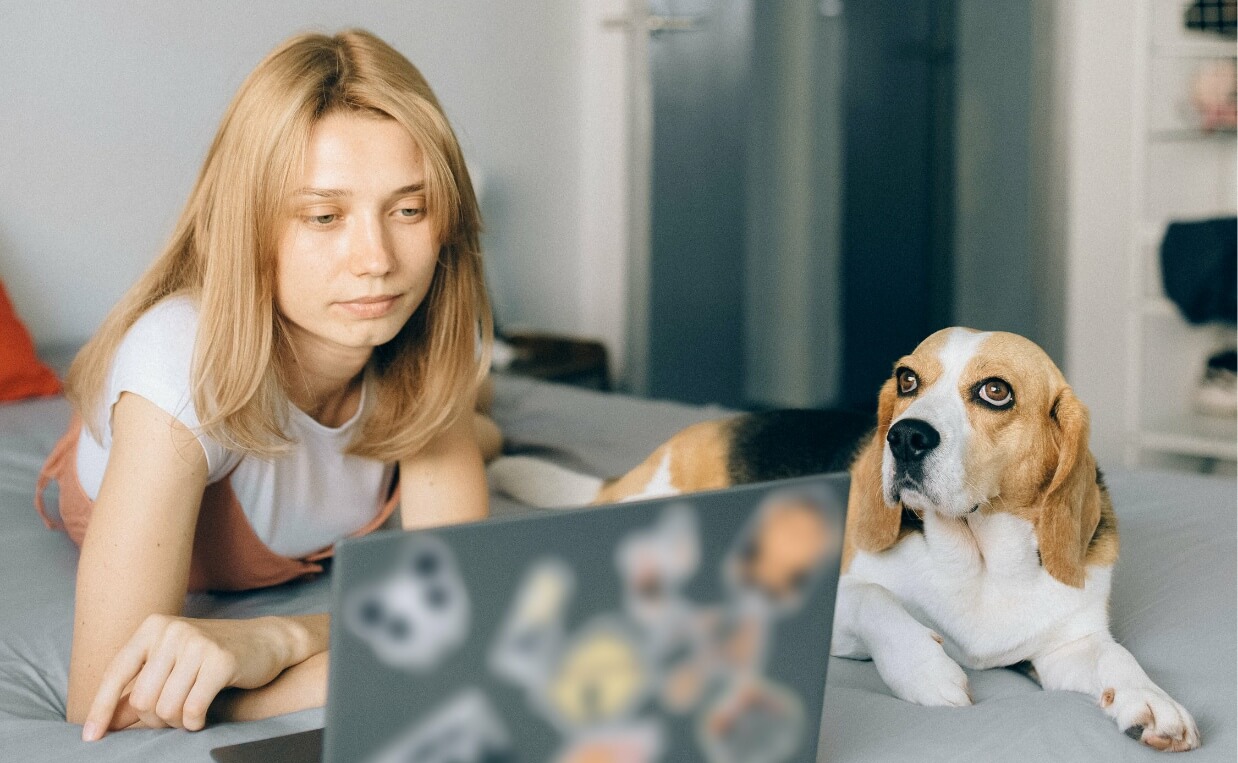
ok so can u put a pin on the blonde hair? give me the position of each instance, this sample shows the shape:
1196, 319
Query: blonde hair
222, 253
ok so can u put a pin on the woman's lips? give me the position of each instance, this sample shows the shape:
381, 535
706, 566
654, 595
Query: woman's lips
370, 307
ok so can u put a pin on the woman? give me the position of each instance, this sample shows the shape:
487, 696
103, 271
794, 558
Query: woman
317, 326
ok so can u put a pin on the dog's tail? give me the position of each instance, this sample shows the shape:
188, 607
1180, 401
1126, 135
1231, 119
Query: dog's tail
540, 483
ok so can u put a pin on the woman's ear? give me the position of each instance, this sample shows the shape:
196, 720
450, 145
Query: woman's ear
1071, 508
872, 524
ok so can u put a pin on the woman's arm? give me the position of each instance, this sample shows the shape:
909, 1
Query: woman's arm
445, 483
134, 661
300, 687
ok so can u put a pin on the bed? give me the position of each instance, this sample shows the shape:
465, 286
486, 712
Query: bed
1173, 606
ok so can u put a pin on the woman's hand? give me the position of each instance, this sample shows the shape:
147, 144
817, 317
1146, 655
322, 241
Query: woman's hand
171, 670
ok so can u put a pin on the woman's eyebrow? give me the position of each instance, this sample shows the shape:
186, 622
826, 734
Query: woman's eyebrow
411, 188
325, 193
335, 193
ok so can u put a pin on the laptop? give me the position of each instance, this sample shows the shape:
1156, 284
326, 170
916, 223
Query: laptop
689, 628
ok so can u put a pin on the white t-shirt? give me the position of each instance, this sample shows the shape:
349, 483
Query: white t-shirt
297, 503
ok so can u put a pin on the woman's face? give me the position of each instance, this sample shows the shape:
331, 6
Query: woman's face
357, 251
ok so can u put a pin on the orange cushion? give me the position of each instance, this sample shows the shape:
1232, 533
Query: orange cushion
21, 373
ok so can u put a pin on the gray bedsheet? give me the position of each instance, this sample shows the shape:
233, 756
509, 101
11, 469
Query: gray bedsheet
1173, 606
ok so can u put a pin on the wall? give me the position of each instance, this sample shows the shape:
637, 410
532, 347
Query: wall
1097, 109
108, 109
605, 203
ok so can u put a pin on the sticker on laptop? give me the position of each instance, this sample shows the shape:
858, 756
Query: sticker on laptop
637, 743
731, 647
602, 677
466, 729
654, 565
755, 722
531, 637
783, 550
419, 613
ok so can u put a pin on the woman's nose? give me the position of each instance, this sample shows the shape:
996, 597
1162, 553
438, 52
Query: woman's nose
369, 250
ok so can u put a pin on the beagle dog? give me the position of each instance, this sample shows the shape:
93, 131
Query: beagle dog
979, 531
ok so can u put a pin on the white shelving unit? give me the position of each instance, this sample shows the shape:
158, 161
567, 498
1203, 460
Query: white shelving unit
1179, 172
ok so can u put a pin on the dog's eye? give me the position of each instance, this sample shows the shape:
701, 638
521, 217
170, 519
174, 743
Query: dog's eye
995, 392
908, 382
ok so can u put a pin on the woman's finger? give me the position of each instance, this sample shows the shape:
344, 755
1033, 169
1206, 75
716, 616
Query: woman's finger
125, 716
171, 704
125, 666
148, 687
148, 720
212, 678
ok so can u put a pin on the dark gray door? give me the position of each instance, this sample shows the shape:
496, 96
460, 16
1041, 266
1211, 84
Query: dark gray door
700, 119
898, 206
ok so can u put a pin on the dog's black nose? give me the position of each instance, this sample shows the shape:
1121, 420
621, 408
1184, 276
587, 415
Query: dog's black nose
912, 439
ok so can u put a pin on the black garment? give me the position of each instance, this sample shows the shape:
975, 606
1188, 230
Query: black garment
1199, 265
1219, 16
1222, 362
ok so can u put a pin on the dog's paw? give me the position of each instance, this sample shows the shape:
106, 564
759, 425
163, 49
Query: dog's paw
1151, 716
920, 671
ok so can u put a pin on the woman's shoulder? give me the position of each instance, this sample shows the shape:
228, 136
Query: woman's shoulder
155, 361
156, 354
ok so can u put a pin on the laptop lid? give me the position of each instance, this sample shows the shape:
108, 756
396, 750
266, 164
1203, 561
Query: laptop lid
689, 628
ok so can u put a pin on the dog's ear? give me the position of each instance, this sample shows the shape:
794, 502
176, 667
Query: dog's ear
872, 524
1071, 506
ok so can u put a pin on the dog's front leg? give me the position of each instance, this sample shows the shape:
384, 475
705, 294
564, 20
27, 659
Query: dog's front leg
1098, 666
869, 622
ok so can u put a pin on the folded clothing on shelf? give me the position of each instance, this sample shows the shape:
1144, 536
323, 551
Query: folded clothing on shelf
1199, 265
1217, 393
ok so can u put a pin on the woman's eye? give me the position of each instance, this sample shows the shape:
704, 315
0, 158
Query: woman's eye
322, 219
907, 381
411, 211
995, 392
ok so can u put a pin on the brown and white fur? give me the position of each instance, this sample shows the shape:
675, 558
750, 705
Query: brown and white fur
979, 531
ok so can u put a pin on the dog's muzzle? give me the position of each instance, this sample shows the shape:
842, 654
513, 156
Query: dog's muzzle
911, 441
